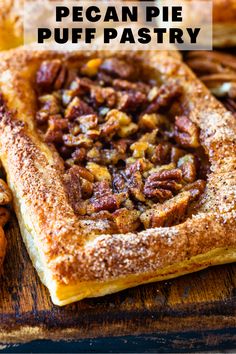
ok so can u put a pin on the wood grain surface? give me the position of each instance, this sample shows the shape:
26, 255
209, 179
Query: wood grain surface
200, 301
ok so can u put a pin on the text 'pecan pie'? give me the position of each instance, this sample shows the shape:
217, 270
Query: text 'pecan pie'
122, 167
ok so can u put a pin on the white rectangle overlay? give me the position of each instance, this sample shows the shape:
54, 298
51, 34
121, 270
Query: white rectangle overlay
118, 25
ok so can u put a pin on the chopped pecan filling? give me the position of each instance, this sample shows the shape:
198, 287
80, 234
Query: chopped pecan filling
131, 156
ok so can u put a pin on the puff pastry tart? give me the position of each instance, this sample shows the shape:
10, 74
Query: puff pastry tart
122, 167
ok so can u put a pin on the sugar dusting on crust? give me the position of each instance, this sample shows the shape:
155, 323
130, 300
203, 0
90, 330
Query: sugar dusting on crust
73, 252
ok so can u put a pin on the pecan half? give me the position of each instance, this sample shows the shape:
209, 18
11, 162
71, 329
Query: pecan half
169, 213
163, 184
48, 74
196, 188
104, 199
131, 101
5, 193
117, 67
4, 216
126, 220
76, 108
163, 97
72, 184
187, 164
186, 132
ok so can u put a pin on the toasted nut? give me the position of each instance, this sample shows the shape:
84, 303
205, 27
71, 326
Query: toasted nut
50, 104
86, 188
73, 185
91, 67
107, 202
77, 108
162, 184
149, 137
126, 220
166, 94
93, 134
148, 121
67, 96
131, 101
153, 93
85, 173
161, 168
118, 67
4, 216
136, 186
94, 154
127, 130
87, 122
74, 128
139, 149
161, 154
186, 132
5, 193
100, 173
80, 140
48, 73
187, 165
121, 117
196, 188
169, 213
176, 154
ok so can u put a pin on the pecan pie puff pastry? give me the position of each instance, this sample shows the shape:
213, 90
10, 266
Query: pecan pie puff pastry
122, 167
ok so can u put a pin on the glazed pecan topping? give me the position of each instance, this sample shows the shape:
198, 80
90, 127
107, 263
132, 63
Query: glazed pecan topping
186, 133
131, 153
161, 185
51, 75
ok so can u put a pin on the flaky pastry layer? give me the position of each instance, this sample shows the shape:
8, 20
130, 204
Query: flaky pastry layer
72, 260
11, 28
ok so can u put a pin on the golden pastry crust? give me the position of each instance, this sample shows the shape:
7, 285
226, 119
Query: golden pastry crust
11, 30
224, 11
224, 23
74, 261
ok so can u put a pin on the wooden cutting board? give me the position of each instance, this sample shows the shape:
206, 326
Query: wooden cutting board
202, 301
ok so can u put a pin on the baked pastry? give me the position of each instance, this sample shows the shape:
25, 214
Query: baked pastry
217, 70
122, 167
11, 29
224, 23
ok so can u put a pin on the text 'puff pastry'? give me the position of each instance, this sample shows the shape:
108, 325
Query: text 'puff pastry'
73, 207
